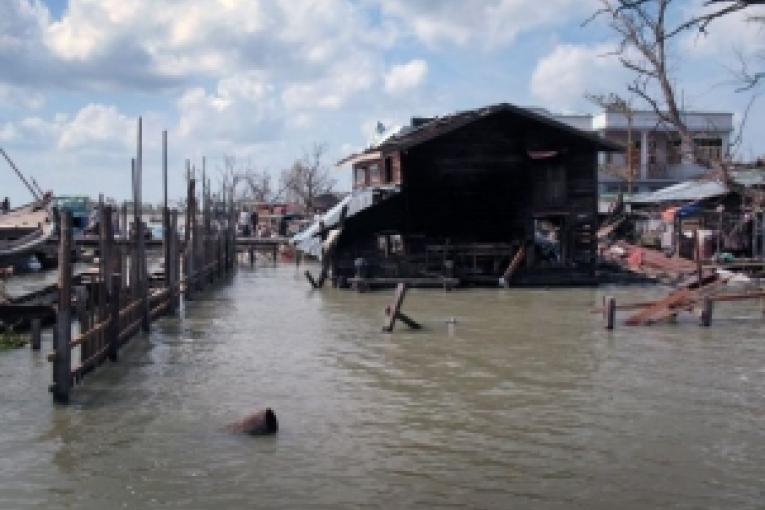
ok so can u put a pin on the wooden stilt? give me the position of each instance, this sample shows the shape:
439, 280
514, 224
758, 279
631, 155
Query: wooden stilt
707, 306
62, 360
36, 334
610, 312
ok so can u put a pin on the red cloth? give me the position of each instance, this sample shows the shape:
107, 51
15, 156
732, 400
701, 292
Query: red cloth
635, 258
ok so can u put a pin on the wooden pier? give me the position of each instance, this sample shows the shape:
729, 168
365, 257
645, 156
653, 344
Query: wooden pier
121, 296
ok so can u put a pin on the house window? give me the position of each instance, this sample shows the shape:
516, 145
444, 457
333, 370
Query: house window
361, 176
708, 149
388, 170
374, 174
673, 152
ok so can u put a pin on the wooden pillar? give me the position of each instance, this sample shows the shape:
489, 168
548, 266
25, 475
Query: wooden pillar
707, 306
170, 267
610, 312
191, 237
165, 214
36, 333
106, 242
114, 316
62, 359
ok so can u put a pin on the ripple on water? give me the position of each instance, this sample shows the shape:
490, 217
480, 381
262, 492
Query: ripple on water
516, 405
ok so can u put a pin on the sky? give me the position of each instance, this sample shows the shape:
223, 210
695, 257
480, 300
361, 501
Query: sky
265, 80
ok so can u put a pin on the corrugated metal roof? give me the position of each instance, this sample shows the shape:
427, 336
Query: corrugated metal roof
442, 125
308, 240
698, 190
681, 192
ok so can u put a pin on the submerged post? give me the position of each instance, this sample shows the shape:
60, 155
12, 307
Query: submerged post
610, 312
62, 355
36, 326
707, 306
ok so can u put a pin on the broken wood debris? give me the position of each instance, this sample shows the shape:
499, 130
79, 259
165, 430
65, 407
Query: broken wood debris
393, 311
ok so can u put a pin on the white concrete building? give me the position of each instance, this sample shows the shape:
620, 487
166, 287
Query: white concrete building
655, 151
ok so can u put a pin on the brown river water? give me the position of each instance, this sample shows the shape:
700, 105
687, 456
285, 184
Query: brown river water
526, 402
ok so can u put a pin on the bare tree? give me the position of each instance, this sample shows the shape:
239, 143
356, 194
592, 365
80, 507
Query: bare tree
248, 182
615, 103
258, 185
308, 177
644, 30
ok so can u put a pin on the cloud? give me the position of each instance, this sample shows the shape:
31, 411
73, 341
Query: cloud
488, 24
93, 128
19, 97
97, 127
563, 77
242, 109
727, 35
403, 77
152, 44
341, 81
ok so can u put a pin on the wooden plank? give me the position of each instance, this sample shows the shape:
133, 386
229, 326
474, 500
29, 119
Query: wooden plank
408, 320
393, 310
514, 264
673, 299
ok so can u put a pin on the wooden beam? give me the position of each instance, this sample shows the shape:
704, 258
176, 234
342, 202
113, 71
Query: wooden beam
393, 311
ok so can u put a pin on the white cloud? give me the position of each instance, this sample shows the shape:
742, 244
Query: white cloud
404, 77
727, 35
97, 127
242, 108
93, 128
19, 97
341, 81
489, 23
563, 77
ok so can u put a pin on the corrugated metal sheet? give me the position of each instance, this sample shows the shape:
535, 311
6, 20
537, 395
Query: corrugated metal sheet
698, 190
309, 242
681, 192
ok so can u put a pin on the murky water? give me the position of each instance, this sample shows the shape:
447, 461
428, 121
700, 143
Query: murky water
527, 403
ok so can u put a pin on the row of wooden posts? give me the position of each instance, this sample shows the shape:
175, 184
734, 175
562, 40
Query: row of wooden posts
672, 306
123, 296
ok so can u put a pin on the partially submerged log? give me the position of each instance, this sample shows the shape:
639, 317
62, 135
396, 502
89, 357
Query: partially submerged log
261, 423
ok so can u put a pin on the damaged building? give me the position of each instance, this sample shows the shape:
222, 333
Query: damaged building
497, 194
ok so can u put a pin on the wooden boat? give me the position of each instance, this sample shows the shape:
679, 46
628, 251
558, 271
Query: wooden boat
25, 230
24, 233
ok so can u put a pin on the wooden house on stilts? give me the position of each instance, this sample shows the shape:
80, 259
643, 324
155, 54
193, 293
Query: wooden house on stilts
499, 194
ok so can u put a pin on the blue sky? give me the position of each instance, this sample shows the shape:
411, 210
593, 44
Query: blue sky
264, 80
